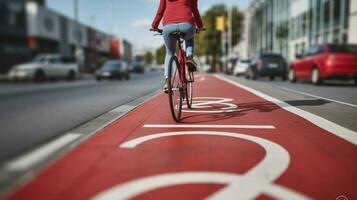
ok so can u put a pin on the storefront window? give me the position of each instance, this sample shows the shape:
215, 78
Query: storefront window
346, 11
337, 12
326, 13
318, 15
336, 36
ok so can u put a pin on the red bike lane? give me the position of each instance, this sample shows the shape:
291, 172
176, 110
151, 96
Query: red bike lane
232, 145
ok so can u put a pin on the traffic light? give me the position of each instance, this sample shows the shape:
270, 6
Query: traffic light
220, 23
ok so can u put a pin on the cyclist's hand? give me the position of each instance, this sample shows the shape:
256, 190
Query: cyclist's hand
154, 29
201, 29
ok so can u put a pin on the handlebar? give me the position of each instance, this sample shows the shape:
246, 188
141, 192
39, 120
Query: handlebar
160, 31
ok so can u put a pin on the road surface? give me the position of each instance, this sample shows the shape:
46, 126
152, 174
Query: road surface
32, 114
238, 142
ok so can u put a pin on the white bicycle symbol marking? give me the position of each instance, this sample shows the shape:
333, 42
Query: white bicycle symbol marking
206, 104
199, 78
255, 182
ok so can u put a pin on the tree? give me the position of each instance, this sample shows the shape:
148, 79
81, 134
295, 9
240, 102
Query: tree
148, 58
160, 55
208, 43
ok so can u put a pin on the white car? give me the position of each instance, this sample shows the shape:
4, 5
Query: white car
46, 66
241, 67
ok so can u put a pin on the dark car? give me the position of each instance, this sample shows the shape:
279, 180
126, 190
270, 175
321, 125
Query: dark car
113, 69
137, 67
327, 61
267, 65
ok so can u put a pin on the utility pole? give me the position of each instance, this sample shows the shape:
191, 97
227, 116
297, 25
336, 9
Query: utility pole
76, 19
230, 34
78, 52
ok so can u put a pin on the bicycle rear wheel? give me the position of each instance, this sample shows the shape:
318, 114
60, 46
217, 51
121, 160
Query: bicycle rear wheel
189, 89
175, 91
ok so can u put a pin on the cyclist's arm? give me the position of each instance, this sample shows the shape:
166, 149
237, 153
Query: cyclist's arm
196, 14
159, 14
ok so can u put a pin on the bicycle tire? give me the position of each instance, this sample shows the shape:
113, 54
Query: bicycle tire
175, 91
189, 89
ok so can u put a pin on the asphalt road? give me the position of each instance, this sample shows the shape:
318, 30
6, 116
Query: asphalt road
31, 114
335, 101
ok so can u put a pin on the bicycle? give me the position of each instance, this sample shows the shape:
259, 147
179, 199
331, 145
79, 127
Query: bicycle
180, 80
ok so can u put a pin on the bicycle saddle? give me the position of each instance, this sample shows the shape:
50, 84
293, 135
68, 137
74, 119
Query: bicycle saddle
179, 34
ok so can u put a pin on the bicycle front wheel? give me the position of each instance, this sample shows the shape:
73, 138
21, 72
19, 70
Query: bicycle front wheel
175, 89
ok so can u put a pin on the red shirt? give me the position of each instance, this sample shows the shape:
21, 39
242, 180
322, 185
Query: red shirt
178, 11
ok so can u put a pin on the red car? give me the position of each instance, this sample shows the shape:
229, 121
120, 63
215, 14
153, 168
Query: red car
324, 62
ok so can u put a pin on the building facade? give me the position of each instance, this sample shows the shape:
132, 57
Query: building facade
289, 27
352, 34
28, 28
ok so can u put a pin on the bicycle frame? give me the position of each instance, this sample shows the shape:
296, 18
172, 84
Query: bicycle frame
182, 61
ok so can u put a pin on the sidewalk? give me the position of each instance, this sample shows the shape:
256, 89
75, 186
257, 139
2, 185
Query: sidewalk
235, 143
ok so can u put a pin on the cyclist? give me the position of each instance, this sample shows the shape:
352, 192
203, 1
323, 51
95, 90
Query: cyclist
182, 16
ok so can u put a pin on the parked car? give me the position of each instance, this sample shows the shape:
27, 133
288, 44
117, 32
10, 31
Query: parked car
241, 67
137, 67
327, 61
46, 66
267, 65
113, 69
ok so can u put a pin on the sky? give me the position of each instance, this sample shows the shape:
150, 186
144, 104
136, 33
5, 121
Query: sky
128, 19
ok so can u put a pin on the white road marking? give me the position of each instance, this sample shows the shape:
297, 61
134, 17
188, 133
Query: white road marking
325, 124
207, 103
255, 182
209, 126
123, 108
315, 96
30, 159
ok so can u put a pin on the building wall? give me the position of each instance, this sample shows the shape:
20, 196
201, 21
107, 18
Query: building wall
352, 36
13, 39
244, 43
28, 28
305, 22
268, 18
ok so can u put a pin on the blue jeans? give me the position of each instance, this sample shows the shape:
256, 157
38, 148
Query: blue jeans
170, 42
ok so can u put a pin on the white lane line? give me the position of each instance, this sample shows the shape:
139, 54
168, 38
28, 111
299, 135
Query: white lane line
325, 124
315, 96
30, 159
209, 126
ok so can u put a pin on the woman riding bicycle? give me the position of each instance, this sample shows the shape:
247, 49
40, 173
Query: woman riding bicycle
182, 16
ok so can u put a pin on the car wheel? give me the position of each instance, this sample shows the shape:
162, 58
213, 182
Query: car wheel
292, 77
253, 75
71, 76
272, 78
39, 76
355, 80
315, 76
246, 75
283, 78
127, 77
98, 79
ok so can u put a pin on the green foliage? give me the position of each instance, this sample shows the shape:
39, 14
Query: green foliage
160, 55
208, 43
148, 58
